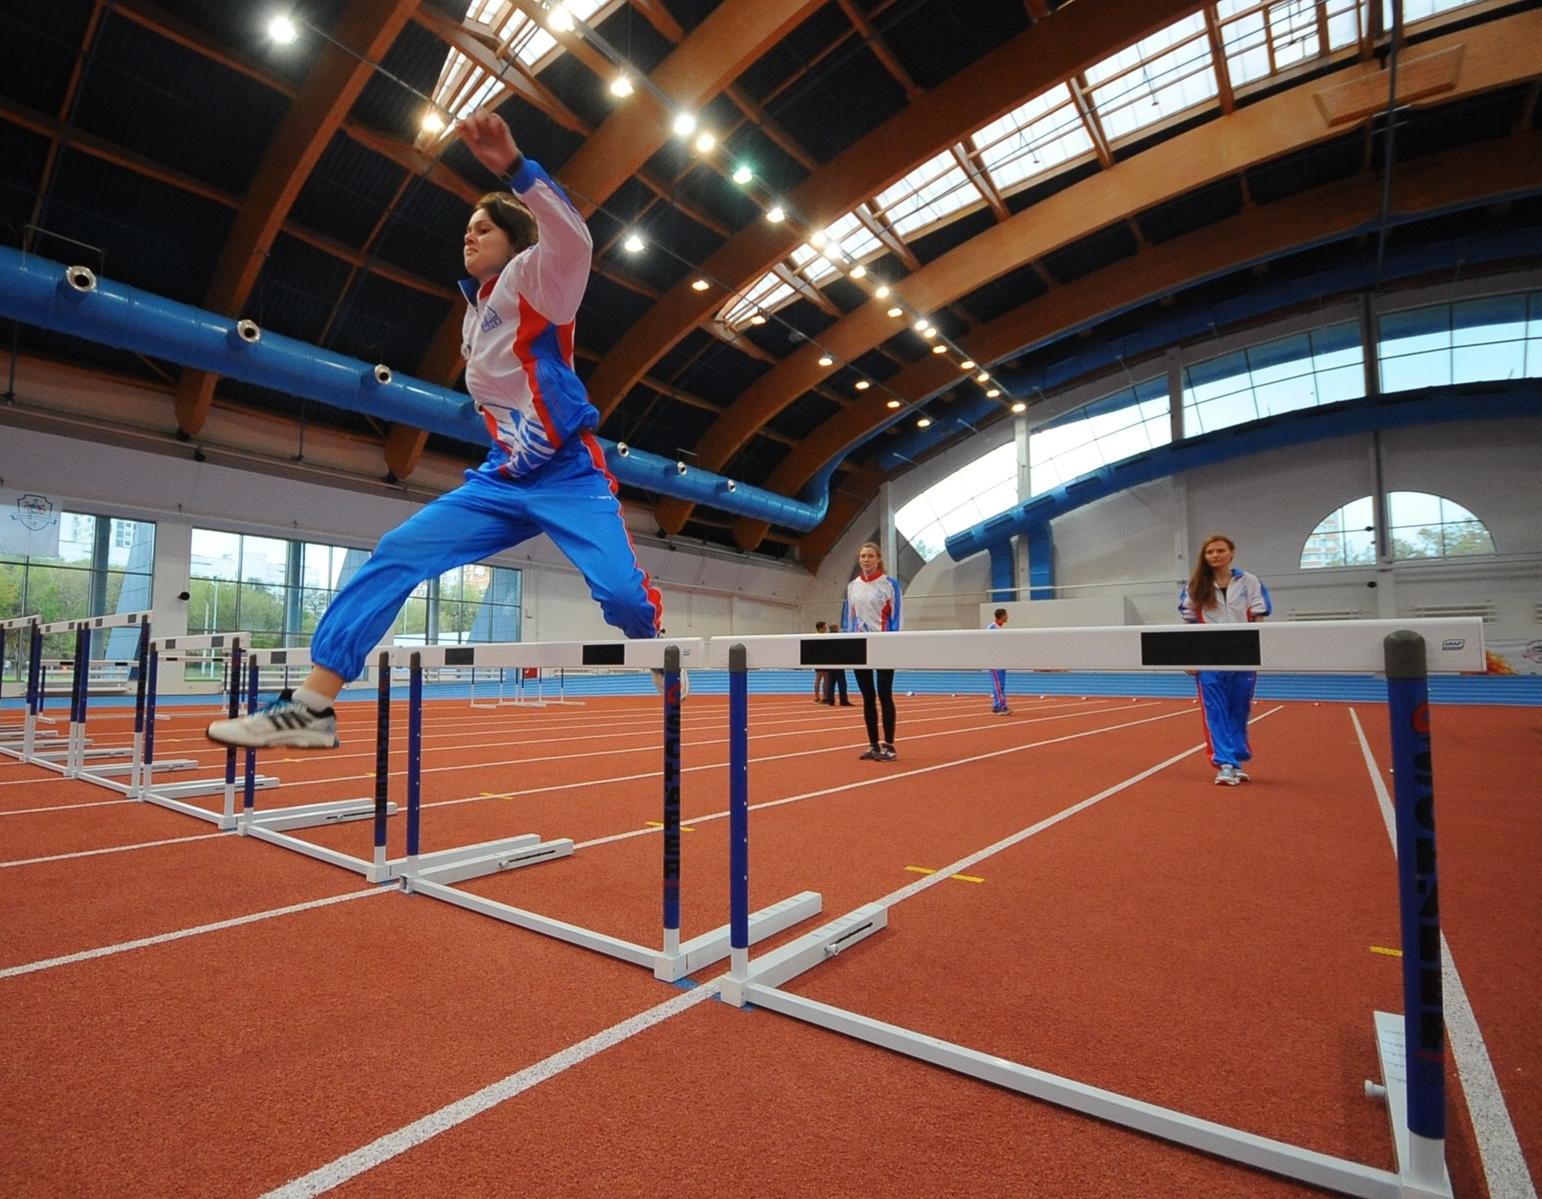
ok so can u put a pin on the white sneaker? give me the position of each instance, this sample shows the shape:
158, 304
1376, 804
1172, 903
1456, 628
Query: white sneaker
1242, 775
1228, 776
285, 721
685, 683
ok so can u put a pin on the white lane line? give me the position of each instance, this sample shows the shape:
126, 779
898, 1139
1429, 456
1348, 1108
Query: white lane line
91, 853
68, 807
351, 1165
105, 951
1499, 1148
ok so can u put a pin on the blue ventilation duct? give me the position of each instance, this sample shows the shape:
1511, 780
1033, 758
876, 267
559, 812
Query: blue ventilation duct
48, 295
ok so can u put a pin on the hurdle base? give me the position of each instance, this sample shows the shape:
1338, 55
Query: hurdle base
194, 787
473, 861
715, 946
1421, 1161
103, 772
585, 938
310, 815
796, 957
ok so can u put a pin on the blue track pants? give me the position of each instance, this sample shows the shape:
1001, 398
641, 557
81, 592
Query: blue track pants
1226, 699
570, 499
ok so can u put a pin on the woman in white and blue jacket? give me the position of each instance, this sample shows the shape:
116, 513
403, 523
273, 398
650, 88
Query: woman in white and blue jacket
1218, 593
873, 606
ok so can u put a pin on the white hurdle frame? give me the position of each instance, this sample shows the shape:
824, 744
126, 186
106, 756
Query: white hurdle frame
20, 741
272, 825
433, 874
1316, 647
173, 794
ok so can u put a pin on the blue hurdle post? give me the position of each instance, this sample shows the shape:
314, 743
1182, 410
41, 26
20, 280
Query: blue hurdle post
253, 685
34, 689
1414, 804
672, 800
141, 775
382, 754
414, 758
739, 810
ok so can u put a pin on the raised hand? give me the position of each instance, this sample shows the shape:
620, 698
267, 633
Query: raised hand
487, 136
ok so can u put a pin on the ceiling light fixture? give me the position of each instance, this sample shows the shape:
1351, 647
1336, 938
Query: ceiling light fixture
892, 404
633, 243
704, 143
896, 311
743, 175
863, 384
858, 271
924, 423
982, 377
1019, 407
992, 393
283, 30
826, 360
700, 285
939, 349
968, 364
776, 213
558, 17
621, 86
882, 291
685, 124
432, 122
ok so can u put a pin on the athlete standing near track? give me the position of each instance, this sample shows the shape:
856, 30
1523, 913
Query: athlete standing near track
1218, 593
528, 253
999, 677
873, 606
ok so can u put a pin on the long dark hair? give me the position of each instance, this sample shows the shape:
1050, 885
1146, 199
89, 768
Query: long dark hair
1202, 581
508, 212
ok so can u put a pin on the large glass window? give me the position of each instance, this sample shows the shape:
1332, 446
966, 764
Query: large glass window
1470, 341
986, 486
277, 590
76, 565
1304, 370
1121, 425
1422, 526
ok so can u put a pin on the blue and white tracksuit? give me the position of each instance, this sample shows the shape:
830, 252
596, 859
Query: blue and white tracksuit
545, 473
873, 606
998, 682
1226, 696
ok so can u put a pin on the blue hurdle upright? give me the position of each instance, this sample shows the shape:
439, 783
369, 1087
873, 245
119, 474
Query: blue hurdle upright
1413, 1080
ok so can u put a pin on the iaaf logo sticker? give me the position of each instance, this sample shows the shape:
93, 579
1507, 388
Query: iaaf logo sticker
1453, 643
36, 513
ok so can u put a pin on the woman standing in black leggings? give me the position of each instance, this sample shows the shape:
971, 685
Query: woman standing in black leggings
873, 606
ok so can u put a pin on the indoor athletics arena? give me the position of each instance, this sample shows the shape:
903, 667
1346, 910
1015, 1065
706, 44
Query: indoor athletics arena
857, 598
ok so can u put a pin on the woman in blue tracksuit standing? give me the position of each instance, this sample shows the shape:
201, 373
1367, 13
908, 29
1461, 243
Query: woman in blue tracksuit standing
527, 252
873, 606
1219, 593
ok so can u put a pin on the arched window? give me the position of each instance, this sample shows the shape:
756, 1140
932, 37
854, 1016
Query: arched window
1423, 526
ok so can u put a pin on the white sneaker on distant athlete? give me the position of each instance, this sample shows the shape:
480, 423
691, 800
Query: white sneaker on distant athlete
286, 721
685, 682
1228, 777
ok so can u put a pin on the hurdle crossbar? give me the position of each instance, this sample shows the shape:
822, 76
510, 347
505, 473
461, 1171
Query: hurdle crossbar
1312, 647
1405, 651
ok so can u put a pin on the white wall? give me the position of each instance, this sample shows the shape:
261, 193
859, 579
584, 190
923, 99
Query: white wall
1140, 544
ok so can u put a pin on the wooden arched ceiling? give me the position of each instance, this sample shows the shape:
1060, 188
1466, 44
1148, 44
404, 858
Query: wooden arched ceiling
1471, 62
1023, 66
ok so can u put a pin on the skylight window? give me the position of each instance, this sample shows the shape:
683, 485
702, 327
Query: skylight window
928, 195
1164, 74
522, 43
1033, 139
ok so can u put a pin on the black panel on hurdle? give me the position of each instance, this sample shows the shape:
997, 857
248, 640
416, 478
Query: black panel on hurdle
1218, 647
833, 651
605, 655
464, 655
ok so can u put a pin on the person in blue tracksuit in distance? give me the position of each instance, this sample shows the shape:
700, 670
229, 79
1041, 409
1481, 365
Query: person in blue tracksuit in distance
1219, 593
873, 606
528, 252
999, 677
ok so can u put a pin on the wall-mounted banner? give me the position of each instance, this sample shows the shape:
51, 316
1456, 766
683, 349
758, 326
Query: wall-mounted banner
29, 524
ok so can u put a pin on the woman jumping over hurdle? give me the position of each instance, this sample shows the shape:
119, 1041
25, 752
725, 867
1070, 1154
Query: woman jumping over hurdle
527, 251
1219, 593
